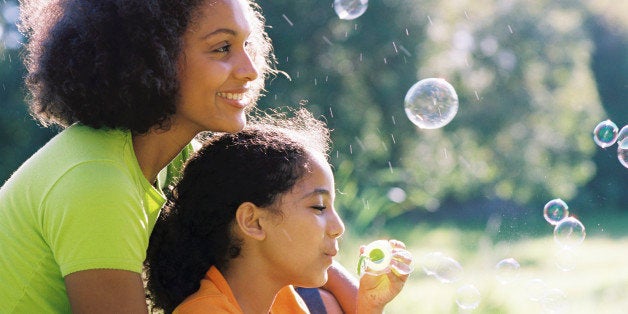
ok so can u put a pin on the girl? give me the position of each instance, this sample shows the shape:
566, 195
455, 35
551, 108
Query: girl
252, 215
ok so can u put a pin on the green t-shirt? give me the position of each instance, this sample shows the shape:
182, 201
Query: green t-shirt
81, 202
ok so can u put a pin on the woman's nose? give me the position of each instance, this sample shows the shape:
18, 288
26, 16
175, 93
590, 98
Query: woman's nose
245, 69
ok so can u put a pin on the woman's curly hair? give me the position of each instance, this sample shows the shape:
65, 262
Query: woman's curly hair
113, 63
256, 165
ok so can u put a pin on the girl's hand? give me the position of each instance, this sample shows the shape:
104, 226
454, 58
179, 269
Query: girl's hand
376, 291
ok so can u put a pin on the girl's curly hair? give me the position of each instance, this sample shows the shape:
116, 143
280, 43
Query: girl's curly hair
256, 165
113, 63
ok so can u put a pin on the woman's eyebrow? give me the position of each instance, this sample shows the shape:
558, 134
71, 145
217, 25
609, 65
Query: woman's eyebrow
220, 31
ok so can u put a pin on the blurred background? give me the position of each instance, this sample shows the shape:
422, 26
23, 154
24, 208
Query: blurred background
533, 79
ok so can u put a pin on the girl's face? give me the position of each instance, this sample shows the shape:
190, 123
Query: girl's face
302, 241
215, 69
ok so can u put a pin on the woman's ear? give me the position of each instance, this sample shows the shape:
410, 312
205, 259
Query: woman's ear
247, 218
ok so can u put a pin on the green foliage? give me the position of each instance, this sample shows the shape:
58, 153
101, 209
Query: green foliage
20, 135
527, 74
528, 99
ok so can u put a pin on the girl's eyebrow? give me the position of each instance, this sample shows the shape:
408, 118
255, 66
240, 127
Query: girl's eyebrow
318, 191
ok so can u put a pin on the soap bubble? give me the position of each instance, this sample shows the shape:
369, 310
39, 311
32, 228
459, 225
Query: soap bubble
555, 211
623, 133
605, 133
431, 103
554, 301
442, 267
565, 259
569, 232
379, 258
468, 297
376, 258
622, 152
396, 194
350, 9
507, 270
536, 288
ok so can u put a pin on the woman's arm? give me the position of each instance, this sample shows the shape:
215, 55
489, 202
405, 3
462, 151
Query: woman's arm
344, 286
106, 291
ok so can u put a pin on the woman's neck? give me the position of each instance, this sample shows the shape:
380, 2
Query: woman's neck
252, 285
157, 148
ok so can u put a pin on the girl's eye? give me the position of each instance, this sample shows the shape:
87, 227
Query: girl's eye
319, 207
225, 48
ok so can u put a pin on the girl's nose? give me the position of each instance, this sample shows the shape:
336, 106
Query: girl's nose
335, 225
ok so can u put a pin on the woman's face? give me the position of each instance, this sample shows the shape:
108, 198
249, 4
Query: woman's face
302, 241
215, 69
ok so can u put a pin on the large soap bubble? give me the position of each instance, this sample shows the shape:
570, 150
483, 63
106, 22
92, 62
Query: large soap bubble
442, 267
468, 297
431, 103
507, 270
569, 232
350, 9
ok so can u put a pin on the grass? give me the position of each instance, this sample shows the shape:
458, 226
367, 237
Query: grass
591, 278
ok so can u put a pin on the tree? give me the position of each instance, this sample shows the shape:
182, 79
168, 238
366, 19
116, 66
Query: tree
528, 101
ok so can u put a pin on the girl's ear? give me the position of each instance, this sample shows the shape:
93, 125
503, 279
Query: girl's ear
248, 220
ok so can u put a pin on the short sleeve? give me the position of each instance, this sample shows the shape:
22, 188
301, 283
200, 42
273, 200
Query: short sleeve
94, 218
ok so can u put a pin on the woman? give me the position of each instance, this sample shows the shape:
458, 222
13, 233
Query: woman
252, 215
132, 82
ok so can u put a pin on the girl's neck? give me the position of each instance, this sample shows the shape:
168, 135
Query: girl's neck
252, 285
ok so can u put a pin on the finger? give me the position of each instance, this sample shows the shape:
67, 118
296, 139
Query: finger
401, 270
403, 256
397, 244
402, 263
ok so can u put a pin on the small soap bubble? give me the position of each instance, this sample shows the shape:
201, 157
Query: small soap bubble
622, 152
565, 259
397, 195
554, 301
623, 133
569, 232
555, 211
468, 297
536, 288
605, 133
431, 103
507, 270
442, 267
350, 9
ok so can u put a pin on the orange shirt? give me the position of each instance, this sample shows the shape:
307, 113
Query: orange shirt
215, 296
